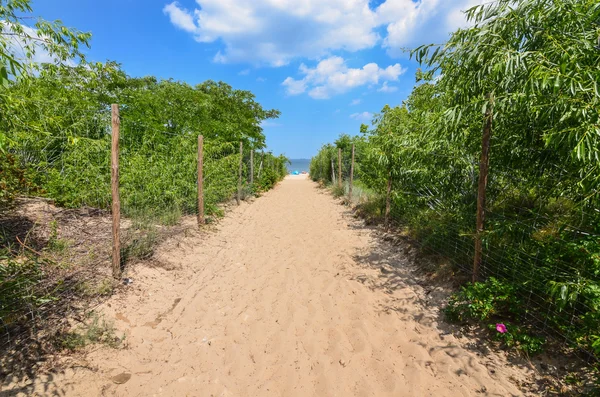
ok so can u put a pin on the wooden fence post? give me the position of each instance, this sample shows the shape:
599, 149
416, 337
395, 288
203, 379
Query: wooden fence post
116, 201
260, 167
239, 189
484, 165
388, 199
252, 169
201, 219
339, 167
332, 172
351, 178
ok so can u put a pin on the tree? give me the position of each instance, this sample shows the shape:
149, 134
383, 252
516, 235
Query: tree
19, 43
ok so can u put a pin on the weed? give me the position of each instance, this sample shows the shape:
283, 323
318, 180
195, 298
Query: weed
141, 246
104, 287
56, 244
338, 191
19, 278
97, 330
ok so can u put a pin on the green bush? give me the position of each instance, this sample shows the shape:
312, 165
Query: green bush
19, 296
498, 302
516, 337
12, 180
484, 301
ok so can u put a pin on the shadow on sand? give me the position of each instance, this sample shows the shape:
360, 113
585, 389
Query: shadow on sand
400, 266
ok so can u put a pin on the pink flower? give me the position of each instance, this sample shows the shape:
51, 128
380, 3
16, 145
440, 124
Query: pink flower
501, 328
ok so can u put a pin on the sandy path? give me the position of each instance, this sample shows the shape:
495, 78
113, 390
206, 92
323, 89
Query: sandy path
285, 299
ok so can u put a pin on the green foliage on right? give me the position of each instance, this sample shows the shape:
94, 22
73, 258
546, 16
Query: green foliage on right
538, 62
494, 302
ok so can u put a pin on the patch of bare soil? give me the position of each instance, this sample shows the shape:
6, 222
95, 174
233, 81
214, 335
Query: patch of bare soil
67, 254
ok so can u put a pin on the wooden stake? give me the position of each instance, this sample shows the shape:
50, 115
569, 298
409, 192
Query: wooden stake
252, 170
116, 201
351, 177
484, 165
260, 167
332, 172
201, 218
239, 190
339, 167
388, 199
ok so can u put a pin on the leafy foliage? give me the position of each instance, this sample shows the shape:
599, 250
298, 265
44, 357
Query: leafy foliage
19, 278
494, 302
19, 43
12, 180
59, 129
534, 64
484, 301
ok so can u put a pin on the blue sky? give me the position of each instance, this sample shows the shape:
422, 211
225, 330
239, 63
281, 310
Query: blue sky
328, 65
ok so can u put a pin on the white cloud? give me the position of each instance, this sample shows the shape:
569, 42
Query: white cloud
410, 24
261, 79
356, 102
386, 88
244, 72
364, 116
294, 87
269, 123
17, 46
332, 76
274, 32
179, 17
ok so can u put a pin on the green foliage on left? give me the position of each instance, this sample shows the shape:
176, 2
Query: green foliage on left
19, 278
57, 125
19, 42
12, 180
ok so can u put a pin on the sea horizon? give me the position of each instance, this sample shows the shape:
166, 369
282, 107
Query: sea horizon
299, 165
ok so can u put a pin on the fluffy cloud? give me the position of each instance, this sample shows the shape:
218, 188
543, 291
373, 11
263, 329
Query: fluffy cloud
410, 24
355, 102
364, 116
386, 88
332, 76
274, 32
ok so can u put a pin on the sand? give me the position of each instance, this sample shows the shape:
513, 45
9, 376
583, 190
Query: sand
289, 296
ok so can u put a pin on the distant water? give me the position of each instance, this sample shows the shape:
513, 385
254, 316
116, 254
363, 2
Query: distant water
299, 165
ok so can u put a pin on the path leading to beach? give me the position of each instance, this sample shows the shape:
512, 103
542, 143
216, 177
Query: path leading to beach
289, 296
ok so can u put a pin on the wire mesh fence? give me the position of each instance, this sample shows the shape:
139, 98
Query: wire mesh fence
540, 256
57, 236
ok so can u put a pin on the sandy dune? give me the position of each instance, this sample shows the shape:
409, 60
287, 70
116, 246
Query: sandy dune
288, 297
